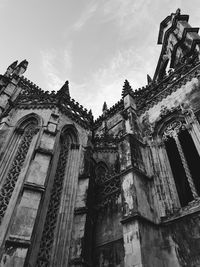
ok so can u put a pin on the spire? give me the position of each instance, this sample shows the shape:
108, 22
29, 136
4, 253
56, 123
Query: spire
126, 89
149, 80
21, 68
64, 90
11, 68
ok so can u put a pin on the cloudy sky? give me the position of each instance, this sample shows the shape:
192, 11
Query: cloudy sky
95, 44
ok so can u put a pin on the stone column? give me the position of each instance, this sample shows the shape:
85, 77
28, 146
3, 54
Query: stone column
172, 131
185, 166
193, 128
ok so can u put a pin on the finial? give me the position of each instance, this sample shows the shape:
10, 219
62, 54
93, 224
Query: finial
149, 80
178, 12
105, 107
21, 68
64, 90
126, 89
90, 114
11, 68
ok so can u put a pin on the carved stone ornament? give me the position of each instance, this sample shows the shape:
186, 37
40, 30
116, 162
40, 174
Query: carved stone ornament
148, 127
173, 129
108, 189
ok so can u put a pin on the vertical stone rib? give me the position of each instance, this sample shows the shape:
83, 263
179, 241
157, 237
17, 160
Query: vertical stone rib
163, 175
72, 205
157, 181
185, 166
173, 191
59, 235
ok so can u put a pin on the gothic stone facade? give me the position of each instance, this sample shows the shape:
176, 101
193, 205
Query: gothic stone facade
123, 190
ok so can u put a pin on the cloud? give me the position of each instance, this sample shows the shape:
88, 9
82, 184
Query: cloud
108, 81
67, 62
56, 66
3, 3
135, 55
85, 16
126, 14
53, 81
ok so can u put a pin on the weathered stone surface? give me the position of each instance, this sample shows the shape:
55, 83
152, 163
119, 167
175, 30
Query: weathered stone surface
23, 223
14, 257
47, 142
38, 169
132, 246
119, 191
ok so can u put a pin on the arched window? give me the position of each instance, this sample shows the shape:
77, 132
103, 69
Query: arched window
100, 172
16, 200
51, 232
184, 161
14, 158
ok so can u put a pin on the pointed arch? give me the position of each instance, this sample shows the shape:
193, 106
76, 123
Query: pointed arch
14, 158
71, 132
28, 119
100, 171
63, 186
172, 130
165, 120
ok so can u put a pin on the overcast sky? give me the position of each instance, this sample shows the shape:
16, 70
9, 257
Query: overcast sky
95, 44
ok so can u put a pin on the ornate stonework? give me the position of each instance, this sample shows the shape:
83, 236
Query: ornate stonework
122, 190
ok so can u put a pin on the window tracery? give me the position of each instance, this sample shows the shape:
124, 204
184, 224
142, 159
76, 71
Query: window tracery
101, 171
15, 169
108, 185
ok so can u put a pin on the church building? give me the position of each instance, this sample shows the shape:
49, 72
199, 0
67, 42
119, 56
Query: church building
119, 191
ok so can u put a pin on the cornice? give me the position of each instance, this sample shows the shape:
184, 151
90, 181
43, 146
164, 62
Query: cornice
169, 85
192, 208
119, 106
33, 97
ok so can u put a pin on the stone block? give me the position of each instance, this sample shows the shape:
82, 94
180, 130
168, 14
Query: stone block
129, 102
14, 256
47, 142
125, 155
51, 127
129, 194
81, 196
23, 223
54, 118
10, 89
132, 245
38, 169
3, 100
